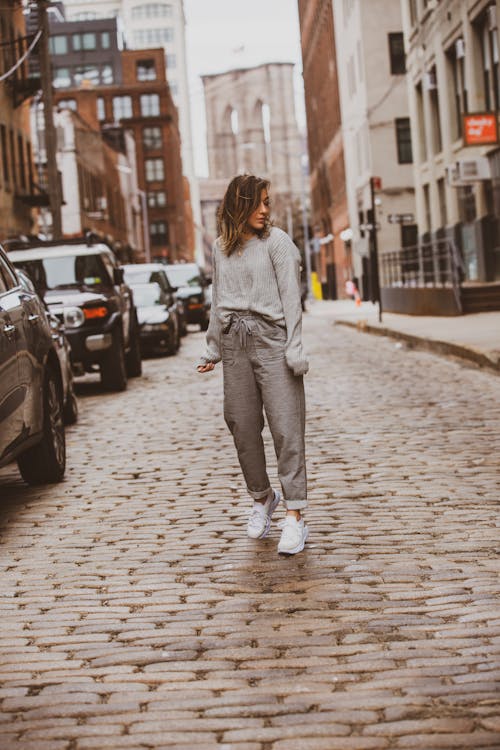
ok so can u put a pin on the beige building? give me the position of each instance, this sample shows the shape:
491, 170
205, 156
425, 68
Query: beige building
252, 127
376, 132
454, 91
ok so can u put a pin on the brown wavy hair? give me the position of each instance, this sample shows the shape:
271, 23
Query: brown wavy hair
241, 199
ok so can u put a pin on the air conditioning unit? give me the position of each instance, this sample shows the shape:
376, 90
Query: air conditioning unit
492, 17
452, 177
460, 49
474, 170
430, 83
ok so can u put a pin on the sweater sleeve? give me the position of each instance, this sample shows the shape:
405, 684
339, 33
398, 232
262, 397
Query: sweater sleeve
212, 351
286, 261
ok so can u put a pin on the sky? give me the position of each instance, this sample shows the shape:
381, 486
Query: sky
226, 34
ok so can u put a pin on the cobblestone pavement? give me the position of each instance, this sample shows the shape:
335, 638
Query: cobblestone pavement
136, 613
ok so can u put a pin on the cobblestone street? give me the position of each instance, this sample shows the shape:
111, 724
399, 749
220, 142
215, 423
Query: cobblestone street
137, 614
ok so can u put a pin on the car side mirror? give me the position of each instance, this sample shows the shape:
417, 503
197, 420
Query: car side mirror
174, 288
118, 276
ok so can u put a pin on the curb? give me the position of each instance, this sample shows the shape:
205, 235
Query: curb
444, 348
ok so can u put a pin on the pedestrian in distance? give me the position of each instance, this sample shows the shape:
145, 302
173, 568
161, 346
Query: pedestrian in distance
256, 330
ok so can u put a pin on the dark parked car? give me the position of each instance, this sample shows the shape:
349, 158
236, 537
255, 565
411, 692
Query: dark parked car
63, 350
191, 285
158, 324
145, 273
83, 286
31, 384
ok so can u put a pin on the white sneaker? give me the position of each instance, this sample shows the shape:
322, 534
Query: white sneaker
259, 522
293, 536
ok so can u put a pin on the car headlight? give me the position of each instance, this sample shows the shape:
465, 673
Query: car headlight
73, 317
194, 299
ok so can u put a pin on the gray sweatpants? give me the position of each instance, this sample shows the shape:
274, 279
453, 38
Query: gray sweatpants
255, 376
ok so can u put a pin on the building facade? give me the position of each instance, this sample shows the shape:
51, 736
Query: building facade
454, 91
146, 24
332, 258
142, 106
252, 127
19, 191
376, 133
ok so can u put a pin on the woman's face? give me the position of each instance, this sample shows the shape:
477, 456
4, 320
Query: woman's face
257, 220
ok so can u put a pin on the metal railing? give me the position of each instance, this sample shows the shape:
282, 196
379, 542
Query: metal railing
435, 264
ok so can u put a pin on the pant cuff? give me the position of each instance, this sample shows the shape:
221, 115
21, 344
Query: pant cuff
258, 495
295, 504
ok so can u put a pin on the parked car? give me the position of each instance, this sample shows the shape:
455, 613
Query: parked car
83, 286
144, 273
63, 350
191, 285
31, 384
158, 326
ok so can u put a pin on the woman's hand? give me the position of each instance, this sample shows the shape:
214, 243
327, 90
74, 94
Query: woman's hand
206, 368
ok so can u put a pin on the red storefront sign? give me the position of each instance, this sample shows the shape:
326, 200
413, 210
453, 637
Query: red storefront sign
480, 129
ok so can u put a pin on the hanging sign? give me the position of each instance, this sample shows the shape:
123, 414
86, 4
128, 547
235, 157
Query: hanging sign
480, 129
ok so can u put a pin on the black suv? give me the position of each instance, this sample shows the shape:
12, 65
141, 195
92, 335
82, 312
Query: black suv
31, 384
83, 286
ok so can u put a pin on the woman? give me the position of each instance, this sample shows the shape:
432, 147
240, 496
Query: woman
255, 328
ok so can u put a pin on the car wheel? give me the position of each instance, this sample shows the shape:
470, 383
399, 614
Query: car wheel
134, 359
184, 328
45, 462
70, 407
171, 347
113, 370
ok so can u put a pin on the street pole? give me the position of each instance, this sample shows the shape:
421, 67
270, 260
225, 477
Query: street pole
145, 224
54, 183
375, 282
305, 224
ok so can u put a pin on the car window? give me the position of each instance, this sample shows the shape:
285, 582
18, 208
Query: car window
3, 286
184, 275
7, 277
109, 264
146, 295
70, 270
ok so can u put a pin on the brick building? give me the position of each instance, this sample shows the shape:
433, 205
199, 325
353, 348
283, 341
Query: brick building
330, 217
142, 105
18, 191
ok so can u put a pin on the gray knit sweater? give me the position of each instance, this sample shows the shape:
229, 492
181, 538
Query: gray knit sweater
265, 279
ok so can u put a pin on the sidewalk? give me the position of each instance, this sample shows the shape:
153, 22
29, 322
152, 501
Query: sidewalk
475, 337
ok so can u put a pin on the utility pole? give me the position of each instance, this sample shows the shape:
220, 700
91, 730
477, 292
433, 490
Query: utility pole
375, 183
54, 183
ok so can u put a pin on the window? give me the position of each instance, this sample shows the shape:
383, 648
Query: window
171, 61
466, 203
487, 31
152, 37
58, 45
442, 202
152, 138
173, 88
157, 199
150, 105
412, 6
67, 104
61, 78
5, 158
159, 232
107, 76
86, 41
101, 109
397, 54
122, 107
105, 40
152, 10
87, 73
427, 208
155, 170
456, 65
437, 140
403, 138
146, 70
421, 122
21, 162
